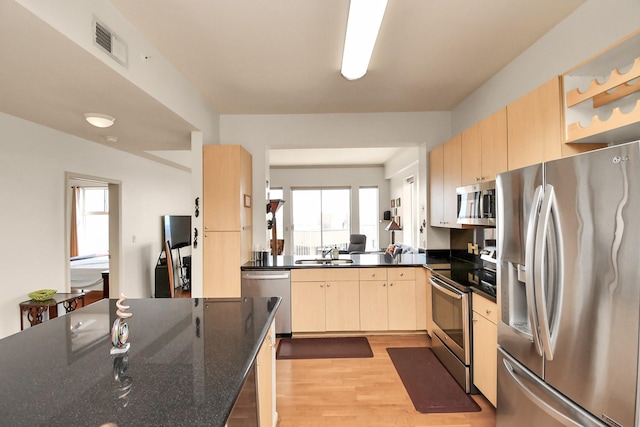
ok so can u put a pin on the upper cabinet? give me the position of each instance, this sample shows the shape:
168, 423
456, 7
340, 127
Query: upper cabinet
602, 95
444, 177
484, 149
226, 187
534, 126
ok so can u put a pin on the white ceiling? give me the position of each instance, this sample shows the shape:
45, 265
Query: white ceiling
267, 57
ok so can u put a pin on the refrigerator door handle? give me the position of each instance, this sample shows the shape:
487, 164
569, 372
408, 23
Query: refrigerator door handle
547, 213
530, 260
562, 413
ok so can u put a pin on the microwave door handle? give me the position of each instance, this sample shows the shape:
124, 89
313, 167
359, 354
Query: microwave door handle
530, 258
547, 211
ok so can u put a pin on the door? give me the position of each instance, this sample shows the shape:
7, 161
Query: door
595, 337
516, 194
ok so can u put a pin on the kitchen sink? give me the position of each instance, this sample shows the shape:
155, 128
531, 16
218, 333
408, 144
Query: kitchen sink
324, 261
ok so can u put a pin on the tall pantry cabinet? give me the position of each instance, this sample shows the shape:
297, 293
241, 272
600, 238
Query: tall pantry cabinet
227, 218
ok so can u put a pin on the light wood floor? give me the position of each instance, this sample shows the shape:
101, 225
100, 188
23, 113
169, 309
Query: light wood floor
360, 392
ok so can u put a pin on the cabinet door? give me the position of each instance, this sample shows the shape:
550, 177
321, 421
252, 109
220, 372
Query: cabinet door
308, 302
373, 305
485, 357
266, 378
471, 155
436, 185
402, 306
452, 180
493, 131
221, 264
534, 126
421, 299
342, 306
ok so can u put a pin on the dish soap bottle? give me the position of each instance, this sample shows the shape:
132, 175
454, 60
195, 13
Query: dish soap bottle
335, 253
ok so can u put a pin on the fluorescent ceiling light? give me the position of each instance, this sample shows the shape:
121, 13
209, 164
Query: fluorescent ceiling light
365, 17
99, 120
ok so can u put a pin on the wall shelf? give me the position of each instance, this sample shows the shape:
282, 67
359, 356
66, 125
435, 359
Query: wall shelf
602, 96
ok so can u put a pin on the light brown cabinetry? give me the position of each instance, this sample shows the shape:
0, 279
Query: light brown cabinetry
423, 275
374, 311
227, 217
266, 379
325, 300
421, 299
485, 347
388, 299
402, 298
603, 95
535, 127
444, 178
484, 149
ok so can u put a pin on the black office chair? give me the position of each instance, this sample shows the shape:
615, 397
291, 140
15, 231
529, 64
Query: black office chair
357, 243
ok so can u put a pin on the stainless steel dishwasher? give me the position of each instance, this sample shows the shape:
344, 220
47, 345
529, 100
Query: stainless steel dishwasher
271, 283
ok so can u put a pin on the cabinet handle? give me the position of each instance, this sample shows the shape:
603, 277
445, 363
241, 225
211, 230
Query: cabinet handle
384, 284
474, 320
401, 274
321, 285
206, 228
373, 274
391, 284
328, 284
488, 311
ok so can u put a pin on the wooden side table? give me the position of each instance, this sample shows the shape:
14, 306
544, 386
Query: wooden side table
35, 309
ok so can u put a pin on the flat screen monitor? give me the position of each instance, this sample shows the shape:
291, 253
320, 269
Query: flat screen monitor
177, 230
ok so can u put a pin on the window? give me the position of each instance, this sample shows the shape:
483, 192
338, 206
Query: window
369, 216
93, 220
321, 219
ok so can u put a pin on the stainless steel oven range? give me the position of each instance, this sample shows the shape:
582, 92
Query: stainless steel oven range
451, 305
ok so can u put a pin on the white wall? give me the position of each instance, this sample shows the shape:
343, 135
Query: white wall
259, 133
591, 28
157, 77
33, 164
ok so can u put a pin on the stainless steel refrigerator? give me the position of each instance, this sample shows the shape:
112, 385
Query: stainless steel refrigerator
569, 291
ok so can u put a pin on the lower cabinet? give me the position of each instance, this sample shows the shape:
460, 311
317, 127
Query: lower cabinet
357, 299
325, 300
388, 299
266, 379
485, 347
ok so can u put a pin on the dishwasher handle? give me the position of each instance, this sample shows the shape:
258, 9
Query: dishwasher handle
259, 276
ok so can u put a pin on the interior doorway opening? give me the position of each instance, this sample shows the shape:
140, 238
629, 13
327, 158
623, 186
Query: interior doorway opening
92, 203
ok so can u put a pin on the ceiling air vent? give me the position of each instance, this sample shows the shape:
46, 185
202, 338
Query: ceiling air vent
109, 42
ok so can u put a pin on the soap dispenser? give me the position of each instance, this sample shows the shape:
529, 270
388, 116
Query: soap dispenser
335, 253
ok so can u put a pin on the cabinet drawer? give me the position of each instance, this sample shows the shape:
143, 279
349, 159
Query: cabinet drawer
323, 274
485, 308
401, 273
372, 273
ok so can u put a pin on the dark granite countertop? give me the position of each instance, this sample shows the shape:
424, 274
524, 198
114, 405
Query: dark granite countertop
436, 259
186, 366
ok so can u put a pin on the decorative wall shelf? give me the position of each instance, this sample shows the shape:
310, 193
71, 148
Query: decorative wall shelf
602, 95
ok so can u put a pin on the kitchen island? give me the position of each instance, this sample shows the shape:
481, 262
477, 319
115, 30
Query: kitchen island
190, 362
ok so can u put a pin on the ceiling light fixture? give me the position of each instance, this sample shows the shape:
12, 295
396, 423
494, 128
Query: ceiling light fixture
99, 120
365, 17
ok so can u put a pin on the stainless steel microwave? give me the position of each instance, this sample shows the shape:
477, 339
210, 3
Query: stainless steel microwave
477, 204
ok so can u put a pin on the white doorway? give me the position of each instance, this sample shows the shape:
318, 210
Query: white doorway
112, 253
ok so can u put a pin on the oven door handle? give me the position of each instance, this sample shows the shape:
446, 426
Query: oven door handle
442, 289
